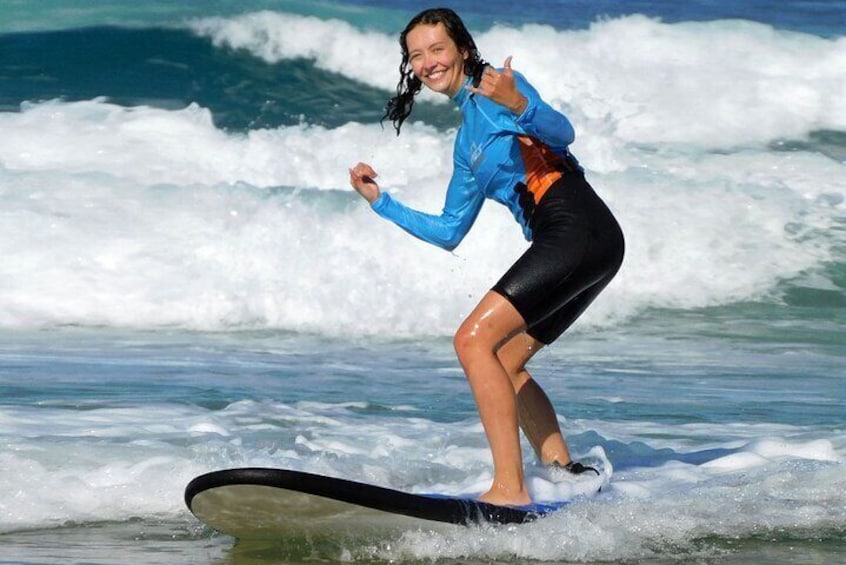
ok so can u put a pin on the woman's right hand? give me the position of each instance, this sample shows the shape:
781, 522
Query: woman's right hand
361, 179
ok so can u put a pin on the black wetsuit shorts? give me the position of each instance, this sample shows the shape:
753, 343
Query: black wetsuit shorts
577, 249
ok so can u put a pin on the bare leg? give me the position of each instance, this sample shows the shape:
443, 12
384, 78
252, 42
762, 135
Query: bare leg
536, 413
492, 323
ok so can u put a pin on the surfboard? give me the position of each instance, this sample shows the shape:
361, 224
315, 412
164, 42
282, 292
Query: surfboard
256, 502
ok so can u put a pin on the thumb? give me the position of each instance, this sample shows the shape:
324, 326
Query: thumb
507, 64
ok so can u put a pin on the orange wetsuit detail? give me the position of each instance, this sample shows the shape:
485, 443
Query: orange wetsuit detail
543, 167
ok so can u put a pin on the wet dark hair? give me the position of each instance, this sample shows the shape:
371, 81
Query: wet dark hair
399, 107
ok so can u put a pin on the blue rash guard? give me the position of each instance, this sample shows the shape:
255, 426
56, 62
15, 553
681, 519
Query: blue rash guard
511, 159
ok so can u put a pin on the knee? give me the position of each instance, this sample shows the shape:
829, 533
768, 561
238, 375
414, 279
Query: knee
468, 341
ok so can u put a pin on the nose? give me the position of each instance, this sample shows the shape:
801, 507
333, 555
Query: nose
429, 62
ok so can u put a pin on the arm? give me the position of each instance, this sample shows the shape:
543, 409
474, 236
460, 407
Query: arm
541, 120
532, 114
463, 202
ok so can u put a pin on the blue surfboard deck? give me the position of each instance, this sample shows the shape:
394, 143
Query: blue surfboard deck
256, 502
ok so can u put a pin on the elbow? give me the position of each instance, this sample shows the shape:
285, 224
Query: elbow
451, 230
450, 244
568, 132
451, 239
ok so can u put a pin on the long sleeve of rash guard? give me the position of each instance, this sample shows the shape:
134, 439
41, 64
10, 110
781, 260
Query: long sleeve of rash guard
463, 202
542, 121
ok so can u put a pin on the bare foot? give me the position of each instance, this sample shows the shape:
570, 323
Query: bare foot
502, 496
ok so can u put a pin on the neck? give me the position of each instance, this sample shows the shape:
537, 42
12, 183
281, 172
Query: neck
463, 94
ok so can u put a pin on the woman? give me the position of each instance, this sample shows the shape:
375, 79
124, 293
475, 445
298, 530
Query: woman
511, 147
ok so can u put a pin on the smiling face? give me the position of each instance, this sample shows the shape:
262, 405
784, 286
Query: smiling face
435, 59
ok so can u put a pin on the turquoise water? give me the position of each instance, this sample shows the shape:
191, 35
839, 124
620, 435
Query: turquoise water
187, 283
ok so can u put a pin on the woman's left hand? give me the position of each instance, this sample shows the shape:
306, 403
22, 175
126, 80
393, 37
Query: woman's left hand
501, 88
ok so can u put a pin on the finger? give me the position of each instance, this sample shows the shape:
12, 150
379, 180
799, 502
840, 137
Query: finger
480, 90
489, 80
507, 66
363, 169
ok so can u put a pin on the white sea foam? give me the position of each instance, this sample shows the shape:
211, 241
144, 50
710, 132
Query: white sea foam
65, 465
334, 45
643, 80
673, 518
144, 217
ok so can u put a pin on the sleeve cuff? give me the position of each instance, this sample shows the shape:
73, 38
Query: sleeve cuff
380, 203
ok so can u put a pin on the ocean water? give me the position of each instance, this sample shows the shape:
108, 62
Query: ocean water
187, 283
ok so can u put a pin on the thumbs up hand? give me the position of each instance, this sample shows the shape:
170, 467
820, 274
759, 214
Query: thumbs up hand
501, 87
